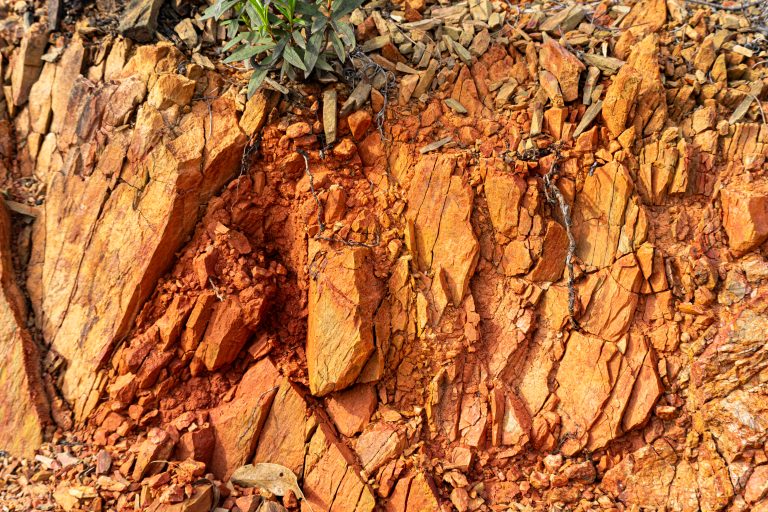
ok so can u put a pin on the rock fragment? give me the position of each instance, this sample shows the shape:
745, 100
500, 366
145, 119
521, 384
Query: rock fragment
563, 65
340, 334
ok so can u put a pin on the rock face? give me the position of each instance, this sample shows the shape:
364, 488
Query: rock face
137, 194
24, 409
498, 298
342, 301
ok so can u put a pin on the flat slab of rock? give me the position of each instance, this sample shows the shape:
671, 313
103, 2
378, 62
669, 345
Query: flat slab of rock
237, 424
23, 402
342, 300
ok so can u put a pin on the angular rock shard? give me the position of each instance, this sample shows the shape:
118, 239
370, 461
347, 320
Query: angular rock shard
24, 410
342, 301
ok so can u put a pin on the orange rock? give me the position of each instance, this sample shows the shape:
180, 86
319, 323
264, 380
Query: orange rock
225, 335
646, 16
454, 249
757, 485
238, 423
23, 403
585, 384
359, 122
414, 492
620, 99
563, 65
196, 444
331, 481
552, 261
504, 192
745, 216
171, 89
607, 221
675, 479
342, 300
351, 409
517, 258
380, 443
284, 432
153, 453
609, 299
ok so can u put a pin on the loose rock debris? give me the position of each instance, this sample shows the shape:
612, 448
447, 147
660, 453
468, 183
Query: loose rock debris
515, 262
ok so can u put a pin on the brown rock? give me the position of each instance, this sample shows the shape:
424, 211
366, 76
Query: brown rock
351, 409
28, 64
257, 111
563, 65
238, 423
139, 20
23, 403
225, 335
68, 70
40, 99
620, 99
745, 216
285, 430
342, 300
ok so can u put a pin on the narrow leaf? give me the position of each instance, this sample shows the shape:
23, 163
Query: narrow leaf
299, 39
318, 24
341, 8
313, 51
247, 51
322, 64
338, 46
257, 77
292, 57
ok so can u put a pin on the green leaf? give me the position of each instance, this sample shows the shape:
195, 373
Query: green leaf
322, 64
292, 57
308, 9
338, 46
247, 51
347, 34
218, 9
341, 8
234, 41
257, 78
312, 51
318, 24
299, 39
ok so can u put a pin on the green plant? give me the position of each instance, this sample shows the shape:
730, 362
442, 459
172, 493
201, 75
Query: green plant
295, 35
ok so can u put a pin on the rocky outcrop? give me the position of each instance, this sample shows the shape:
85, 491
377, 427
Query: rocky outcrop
137, 192
24, 408
537, 281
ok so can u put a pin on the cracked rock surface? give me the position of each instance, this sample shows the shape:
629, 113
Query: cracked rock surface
393, 311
